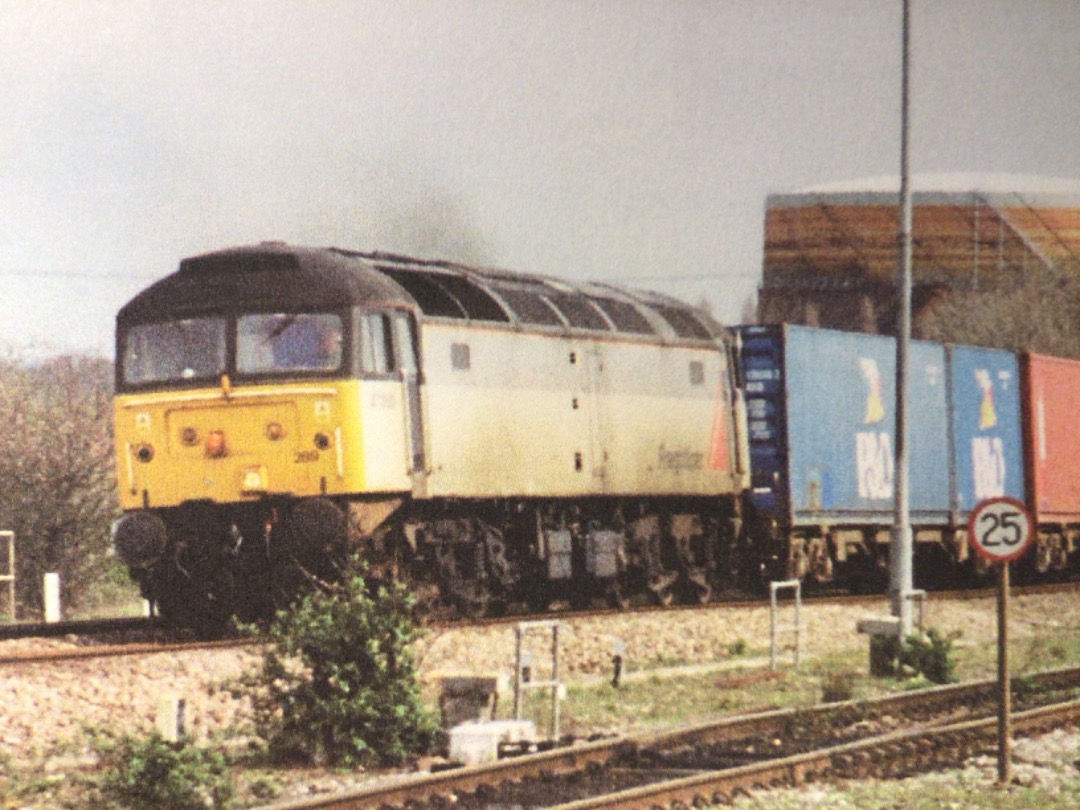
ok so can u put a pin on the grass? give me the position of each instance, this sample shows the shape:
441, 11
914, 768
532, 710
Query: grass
115, 594
653, 699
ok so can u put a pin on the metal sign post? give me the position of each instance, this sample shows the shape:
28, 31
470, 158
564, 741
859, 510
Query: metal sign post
1001, 529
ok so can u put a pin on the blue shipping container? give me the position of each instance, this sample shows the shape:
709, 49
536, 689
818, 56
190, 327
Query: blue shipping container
986, 426
821, 408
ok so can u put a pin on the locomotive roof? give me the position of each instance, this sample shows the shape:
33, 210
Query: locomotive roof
269, 275
275, 275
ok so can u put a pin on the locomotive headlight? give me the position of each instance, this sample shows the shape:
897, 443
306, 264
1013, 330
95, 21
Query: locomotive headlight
215, 444
189, 437
256, 479
322, 441
145, 453
275, 432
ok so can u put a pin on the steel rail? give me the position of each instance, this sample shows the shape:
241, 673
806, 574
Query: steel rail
598, 754
119, 650
101, 626
968, 594
81, 627
887, 754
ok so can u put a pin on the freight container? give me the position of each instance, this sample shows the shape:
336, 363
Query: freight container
988, 459
1051, 398
822, 423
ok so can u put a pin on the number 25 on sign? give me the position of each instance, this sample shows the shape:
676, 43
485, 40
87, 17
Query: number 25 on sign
1000, 529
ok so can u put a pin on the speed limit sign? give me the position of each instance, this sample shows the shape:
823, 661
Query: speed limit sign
1000, 529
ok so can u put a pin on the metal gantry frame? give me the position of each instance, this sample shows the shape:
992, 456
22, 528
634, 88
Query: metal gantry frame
774, 628
523, 659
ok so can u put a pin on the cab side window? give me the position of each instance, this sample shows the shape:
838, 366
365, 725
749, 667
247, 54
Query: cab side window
376, 347
387, 343
405, 342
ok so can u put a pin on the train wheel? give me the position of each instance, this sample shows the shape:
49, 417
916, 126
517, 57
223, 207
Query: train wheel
309, 550
197, 604
195, 583
798, 560
617, 595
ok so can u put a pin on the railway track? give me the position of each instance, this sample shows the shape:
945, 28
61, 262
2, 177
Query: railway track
711, 763
117, 651
828, 598
132, 632
81, 628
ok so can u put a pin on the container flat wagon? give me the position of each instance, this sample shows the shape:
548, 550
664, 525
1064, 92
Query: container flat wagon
822, 428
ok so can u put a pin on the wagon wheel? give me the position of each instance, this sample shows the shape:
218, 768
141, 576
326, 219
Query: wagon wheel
662, 587
701, 591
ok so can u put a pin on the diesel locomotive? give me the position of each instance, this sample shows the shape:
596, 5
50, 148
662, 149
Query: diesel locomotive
493, 437
489, 437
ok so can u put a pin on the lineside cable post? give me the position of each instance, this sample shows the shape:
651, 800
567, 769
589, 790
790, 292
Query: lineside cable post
9, 577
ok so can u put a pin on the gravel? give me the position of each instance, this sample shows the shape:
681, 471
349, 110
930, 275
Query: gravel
48, 705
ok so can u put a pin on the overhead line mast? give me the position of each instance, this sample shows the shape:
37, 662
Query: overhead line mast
901, 541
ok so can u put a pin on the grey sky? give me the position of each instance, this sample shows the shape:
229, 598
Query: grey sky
616, 140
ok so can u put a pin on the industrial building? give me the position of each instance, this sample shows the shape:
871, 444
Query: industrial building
831, 252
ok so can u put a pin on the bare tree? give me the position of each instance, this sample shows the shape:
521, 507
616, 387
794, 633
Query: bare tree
1042, 314
57, 474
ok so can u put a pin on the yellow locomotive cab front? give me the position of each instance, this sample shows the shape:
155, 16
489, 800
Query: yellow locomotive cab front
297, 440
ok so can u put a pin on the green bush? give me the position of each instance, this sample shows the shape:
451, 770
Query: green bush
151, 773
929, 656
838, 686
338, 683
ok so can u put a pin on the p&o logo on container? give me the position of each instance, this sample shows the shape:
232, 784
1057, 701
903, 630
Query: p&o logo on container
874, 462
987, 452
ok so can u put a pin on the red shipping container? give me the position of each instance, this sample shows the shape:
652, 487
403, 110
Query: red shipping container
1052, 440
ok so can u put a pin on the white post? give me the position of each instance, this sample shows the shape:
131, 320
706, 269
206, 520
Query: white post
52, 598
171, 717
